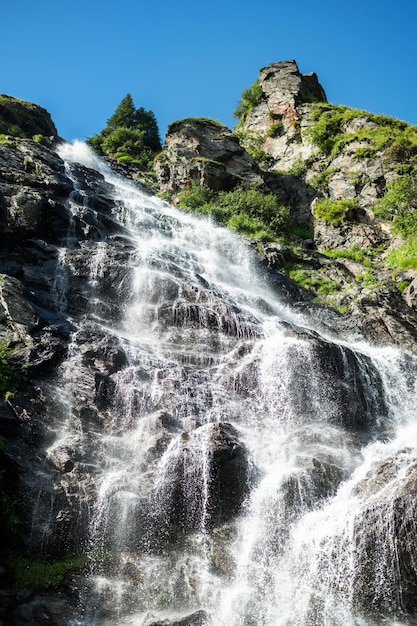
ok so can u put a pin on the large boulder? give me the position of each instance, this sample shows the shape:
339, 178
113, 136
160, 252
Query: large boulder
25, 119
205, 152
279, 115
204, 479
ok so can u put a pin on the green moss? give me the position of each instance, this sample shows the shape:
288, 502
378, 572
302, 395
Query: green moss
335, 212
8, 375
42, 574
5, 138
355, 253
44, 141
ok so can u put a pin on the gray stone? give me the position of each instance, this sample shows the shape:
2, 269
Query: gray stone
203, 152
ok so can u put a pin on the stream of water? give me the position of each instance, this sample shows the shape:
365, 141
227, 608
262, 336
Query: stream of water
234, 458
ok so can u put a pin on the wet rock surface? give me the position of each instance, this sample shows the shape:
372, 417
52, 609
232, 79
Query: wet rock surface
71, 275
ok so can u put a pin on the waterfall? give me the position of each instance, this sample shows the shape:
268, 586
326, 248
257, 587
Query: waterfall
225, 463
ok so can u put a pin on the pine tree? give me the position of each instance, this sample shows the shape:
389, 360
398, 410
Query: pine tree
131, 135
124, 115
146, 121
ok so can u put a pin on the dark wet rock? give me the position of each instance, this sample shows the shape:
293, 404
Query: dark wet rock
199, 618
385, 530
342, 383
206, 479
52, 609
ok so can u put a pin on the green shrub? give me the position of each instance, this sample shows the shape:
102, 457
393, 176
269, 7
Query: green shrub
195, 196
8, 374
246, 211
402, 285
275, 129
405, 257
253, 142
335, 212
329, 135
248, 226
320, 181
321, 285
250, 97
369, 279
123, 140
364, 153
131, 135
399, 202
298, 168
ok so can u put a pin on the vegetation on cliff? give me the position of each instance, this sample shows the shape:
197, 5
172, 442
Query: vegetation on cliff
8, 374
131, 136
250, 97
25, 119
248, 212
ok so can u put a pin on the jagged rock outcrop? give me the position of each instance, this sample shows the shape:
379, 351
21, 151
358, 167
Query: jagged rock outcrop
25, 119
286, 116
279, 117
204, 152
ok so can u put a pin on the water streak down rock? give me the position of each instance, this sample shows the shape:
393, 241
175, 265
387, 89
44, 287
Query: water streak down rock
214, 454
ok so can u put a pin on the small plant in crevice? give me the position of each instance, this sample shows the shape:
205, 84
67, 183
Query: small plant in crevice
275, 129
163, 599
9, 377
250, 97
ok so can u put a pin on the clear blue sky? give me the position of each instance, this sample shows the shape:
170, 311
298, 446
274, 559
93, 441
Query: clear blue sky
78, 59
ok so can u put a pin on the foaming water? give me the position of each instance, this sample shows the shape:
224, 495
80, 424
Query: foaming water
234, 453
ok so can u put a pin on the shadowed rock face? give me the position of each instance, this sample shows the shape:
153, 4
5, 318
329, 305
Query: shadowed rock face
25, 119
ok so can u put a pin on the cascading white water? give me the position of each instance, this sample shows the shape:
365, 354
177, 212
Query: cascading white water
206, 342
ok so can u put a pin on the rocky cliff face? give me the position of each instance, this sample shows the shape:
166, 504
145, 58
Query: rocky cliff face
281, 142
66, 280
